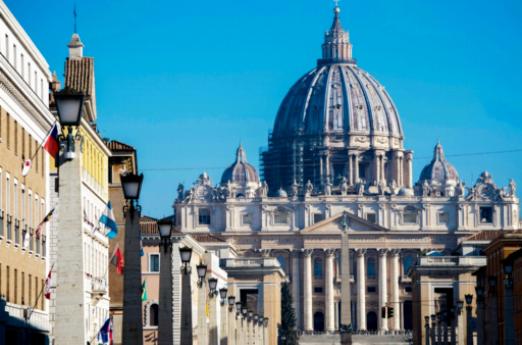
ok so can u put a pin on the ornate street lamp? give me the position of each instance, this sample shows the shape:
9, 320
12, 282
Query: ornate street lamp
202, 272
468, 298
212, 286
508, 278
460, 305
265, 321
244, 311
186, 254
223, 294
131, 184
238, 308
165, 230
231, 302
69, 106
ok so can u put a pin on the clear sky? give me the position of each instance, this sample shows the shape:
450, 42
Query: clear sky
186, 81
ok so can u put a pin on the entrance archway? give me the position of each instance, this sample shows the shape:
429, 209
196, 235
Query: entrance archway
371, 321
319, 322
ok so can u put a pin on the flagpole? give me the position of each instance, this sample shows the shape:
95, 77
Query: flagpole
40, 294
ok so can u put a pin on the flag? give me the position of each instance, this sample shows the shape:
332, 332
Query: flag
26, 167
108, 221
117, 260
144, 296
51, 143
105, 333
39, 228
47, 286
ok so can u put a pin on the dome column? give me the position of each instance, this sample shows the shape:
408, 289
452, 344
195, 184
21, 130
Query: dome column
378, 166
353, 167
408, 169
398, 168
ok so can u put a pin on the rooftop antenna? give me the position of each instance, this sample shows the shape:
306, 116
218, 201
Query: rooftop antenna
336, 2
75, 16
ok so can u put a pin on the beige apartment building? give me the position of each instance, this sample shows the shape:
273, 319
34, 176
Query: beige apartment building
25, 120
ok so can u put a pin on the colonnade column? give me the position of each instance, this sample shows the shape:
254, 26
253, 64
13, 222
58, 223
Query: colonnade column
329, 291
394, 282
383, 289
296, 286
307, 291
361, 289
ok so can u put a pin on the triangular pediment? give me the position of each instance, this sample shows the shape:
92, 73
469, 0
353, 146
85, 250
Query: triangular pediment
336, 223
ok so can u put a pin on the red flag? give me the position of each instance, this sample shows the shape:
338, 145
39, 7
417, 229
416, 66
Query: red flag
47, 288
51, 143
117, 260
47, 218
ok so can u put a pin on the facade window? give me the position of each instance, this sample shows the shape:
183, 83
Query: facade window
318, 217
442, 218
371, 268
280, 217
44, 251
371, 289
486, 214
371, 217
407, 289
407, 262
410, 215
153, 316
246, 219
318, 289
204, 216
318, 267
154, 265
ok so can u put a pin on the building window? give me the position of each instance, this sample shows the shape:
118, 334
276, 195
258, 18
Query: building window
318, 267
407, 262
371, 217
204, 216
154, 265
280, 217
246, 219
371, 289
318, 217
318, 289
410, 215
442, 218
486, 214
370, 267
153, 316
407, 289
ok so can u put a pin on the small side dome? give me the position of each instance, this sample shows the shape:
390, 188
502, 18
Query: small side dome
282, 193
241, 176
440, 177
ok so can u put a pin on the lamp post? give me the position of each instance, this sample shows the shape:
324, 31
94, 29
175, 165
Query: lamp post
469, 331
165, 327
479, 289
433, 329
231, 320
509, 326
223, 339
132, 332
427, 330
70, 325
186, 335
202, 301
212, 313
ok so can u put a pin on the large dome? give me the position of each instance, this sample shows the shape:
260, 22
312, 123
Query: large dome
338, 97
337, 128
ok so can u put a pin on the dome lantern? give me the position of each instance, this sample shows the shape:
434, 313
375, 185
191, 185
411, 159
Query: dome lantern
336, 46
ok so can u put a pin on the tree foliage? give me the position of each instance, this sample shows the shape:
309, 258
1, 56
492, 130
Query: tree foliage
287, 331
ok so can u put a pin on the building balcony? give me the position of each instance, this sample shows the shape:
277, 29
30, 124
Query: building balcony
98, 288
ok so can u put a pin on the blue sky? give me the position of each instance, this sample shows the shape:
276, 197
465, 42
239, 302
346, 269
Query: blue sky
185, 81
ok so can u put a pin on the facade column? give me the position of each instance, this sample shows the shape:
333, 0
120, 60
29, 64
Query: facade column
202, 317
296, 287
408, 178
361, 289
329, 291
224, 337
383, 289
350, 169
356, 168
307, 291
394, 282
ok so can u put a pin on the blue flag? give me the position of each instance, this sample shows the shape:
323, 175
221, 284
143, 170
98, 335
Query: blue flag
108, 221
105, 333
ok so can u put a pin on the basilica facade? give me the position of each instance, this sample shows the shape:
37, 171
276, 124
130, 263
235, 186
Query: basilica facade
335, 161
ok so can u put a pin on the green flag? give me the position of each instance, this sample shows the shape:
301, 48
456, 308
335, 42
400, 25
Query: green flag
144, 291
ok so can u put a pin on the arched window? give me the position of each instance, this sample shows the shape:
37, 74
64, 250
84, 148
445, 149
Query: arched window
371, 269
410, 215
153, 315
318, 267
